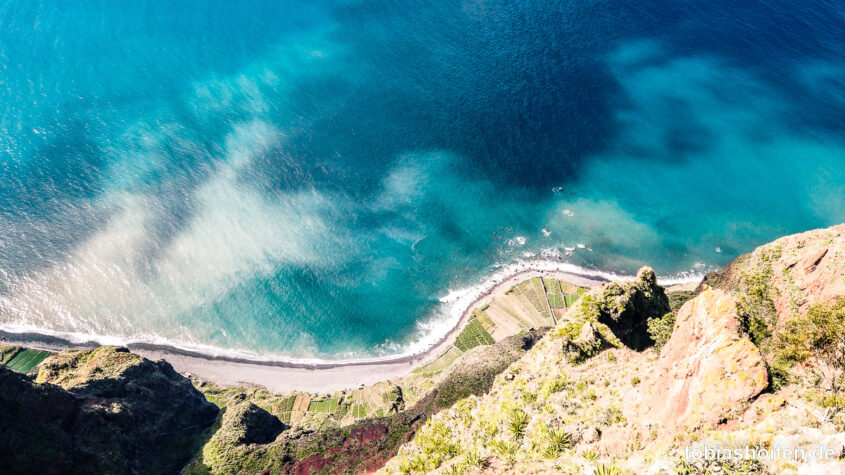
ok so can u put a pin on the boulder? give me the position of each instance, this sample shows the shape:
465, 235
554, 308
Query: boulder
705, 370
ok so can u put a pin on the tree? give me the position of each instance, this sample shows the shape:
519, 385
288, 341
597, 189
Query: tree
818, 340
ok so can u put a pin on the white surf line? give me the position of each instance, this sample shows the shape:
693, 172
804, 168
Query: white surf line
436, 330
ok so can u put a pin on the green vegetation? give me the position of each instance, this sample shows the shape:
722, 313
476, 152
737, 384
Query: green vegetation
505, 449
557, 295
607, 470
485, 320
818, 339
473, 335
329, 405
557, 440
23, 360
589, 454
754, 300
678, 298
660, 329
360, 410
517, 423
439, 364
7, 353
435, 440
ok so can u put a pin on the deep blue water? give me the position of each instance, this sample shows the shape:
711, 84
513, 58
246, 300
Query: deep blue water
308, 179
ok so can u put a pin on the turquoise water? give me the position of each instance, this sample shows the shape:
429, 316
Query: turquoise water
321, 179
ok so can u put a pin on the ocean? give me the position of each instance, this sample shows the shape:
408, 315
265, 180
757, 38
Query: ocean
333, 179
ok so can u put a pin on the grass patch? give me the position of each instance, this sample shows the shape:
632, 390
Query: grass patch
556, 301
329, 405
485, 321
29, 365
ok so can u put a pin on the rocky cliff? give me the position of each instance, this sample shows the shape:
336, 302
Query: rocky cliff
629, 380
592, 398
101, 411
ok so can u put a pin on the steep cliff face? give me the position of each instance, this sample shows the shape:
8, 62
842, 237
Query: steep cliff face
558, 395
625, 307
583, 401
361, 447
103, 411
588, 394
705, 370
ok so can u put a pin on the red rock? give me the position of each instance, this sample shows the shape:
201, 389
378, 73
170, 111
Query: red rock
704, 370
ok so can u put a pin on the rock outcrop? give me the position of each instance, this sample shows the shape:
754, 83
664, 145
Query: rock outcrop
792, 273
705, 370
247, 423
101, 411
625, 307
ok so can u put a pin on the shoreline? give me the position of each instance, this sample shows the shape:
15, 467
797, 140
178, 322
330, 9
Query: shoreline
319, 376
286, 376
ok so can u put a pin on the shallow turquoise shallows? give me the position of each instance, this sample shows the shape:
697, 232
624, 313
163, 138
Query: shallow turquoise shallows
327, 179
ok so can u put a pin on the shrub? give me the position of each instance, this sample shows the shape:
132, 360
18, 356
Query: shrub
635, 380
589, 454
455, 469
473, 459
660, 329
553, 386
755, 305
505, 450
678, 298
818, 339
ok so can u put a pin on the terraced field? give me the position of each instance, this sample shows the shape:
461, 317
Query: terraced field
473, 335
329, 405
439, 363
23, 360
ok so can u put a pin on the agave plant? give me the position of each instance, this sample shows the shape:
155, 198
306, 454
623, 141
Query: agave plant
557, 441
455, 469
506, 450
473, 459
517, 423
589, 454
607, 470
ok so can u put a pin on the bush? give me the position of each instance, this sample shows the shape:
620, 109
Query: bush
678, 298
819, 340
505, 450
607, 470
660, 329
756, 307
